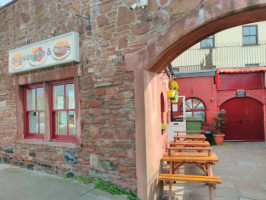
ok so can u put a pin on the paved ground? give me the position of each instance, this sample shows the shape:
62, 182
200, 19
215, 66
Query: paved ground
242, 167
22, 184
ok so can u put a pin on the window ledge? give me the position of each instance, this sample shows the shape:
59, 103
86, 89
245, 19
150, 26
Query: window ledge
51, 144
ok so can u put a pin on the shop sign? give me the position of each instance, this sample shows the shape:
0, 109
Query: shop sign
241, 93
55, 51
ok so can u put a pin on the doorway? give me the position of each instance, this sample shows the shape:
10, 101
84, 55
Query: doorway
244, 120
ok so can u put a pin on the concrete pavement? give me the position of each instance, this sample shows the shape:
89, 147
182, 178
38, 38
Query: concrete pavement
22, 184
242, 168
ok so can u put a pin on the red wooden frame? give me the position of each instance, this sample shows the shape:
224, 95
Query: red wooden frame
26, 111
67, 138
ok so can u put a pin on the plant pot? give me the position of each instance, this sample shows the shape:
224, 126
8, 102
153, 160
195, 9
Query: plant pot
209, 136
170, 93
174, 101
218, 139
175, 98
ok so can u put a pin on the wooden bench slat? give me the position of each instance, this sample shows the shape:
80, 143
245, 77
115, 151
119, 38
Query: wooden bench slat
193, 154
191, 178
212, 158
171, 151
191, 143
190, 136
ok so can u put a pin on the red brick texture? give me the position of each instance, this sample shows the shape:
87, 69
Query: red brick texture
119, 43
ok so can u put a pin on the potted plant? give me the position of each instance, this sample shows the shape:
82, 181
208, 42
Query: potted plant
172, 92
218, 125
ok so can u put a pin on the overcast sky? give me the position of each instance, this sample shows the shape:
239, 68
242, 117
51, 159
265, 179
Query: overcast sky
4, 2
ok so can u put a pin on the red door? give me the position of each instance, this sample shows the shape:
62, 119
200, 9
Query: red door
244, 120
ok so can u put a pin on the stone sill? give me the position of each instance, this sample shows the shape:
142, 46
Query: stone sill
51, 144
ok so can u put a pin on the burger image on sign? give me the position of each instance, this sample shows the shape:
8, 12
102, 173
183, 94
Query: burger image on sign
61, 49
17, 61
37, 56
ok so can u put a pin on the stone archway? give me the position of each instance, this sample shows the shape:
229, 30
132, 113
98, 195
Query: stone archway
192, 27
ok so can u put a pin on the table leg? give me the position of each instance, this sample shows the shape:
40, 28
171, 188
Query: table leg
170, 190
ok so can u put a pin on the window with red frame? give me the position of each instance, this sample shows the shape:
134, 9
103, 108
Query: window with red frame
34, 111
63, 111
195, 108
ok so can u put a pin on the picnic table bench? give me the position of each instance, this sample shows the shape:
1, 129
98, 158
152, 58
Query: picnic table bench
191, 143
210, 180
200, 132
178, 151
199, 137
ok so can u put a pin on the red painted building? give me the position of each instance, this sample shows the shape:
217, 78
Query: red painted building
239, 91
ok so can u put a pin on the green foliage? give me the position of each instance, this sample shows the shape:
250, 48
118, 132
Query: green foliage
164, 126
83, 179
65, 176
174, 85
112, 189
219, 121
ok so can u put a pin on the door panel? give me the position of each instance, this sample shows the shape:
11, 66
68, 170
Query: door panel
244, 120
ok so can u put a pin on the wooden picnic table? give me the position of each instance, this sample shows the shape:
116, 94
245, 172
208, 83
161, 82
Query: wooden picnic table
199, 137
189, 151
191, 155
203, 162
190, 143
200, 131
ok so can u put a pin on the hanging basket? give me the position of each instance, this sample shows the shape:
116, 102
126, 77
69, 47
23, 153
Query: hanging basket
174, 101
170, 93
175, 96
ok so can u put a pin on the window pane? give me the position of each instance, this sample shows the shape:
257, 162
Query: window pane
195, 102
189, 103
40, 99
200, 114
200, 107
33, 122
70, 96
30, 99
245, 30
41, 122
188, 114
252, 40
253, 30
72, 123
61, 123
246, 40
58, 97
203, 43
187, 108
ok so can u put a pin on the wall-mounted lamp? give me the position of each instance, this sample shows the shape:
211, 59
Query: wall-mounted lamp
53, 32
27, 39
141, 3
212, 99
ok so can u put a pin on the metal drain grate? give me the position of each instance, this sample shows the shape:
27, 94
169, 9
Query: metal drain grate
246, 163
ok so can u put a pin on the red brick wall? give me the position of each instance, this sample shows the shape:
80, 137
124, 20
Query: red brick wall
120, 43
204, 89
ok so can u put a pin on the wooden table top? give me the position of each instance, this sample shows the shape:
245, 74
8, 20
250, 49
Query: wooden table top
190, 159
199, 136
200, 131
191, 143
